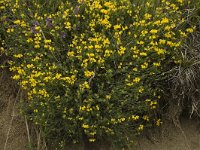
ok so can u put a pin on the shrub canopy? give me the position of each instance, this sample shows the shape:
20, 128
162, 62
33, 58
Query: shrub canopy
90, 67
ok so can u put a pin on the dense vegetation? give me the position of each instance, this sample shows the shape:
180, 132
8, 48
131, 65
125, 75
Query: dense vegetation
94, 70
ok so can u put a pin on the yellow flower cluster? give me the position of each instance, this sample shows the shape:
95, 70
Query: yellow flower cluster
92, 63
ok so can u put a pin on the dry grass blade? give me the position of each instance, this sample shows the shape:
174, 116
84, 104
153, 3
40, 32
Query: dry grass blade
185, 82
27, 129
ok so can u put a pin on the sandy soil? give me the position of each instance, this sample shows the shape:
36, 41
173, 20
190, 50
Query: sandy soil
12, 127
169, 137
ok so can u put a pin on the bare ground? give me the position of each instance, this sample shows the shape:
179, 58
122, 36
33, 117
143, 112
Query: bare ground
12, 127
171, 137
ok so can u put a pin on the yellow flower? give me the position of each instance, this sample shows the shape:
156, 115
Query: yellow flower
180, 1
158, 22
135, 117
70, 54
43, 92
97, 107
93, 133
89, 73
16, 77
159, 51
23, 24
143, 54
21, 71
108, 96
164, 20
92, 140
47, 41
58, 75
144, 32
147, 16
17, 22
141, 89
35, 110
154, 31
107, 53
106, 42
121, 50
144, 66
116, 27
104, 11
29, 40
105, 22
123, 119
158, 122
161, 41
68, 25
153, 104
18, 55
135, 69
29, 65
167, 28
113, 120
37, 28
36, 46
33, 82
157, 64
183, 34
140, 42
136, 80
168, 35
146, 118
2, 49
9, 30
85, 85
141, 127
92, 54
82, 108
189, 30
85, 126
2, 7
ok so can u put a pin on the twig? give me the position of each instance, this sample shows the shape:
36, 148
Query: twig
38, 143
45, 144
91, 78
27, 129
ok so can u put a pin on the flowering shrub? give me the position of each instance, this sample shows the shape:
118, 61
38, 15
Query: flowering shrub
90, 66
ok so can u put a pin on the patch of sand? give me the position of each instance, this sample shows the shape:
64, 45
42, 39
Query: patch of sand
169, 137
12, 127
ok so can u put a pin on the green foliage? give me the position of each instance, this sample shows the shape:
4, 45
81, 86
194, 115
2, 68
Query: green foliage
90, 67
